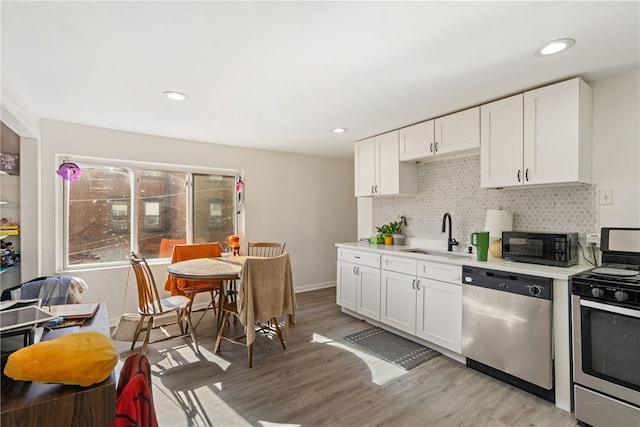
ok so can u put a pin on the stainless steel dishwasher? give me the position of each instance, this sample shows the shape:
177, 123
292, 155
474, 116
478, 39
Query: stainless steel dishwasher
506, 328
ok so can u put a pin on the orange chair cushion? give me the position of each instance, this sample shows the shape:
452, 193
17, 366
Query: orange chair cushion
166, 247
185, 252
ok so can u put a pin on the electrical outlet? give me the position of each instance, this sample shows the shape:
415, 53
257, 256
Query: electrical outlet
593, 238
605, 197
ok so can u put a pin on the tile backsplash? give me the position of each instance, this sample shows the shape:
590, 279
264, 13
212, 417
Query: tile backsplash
454, 186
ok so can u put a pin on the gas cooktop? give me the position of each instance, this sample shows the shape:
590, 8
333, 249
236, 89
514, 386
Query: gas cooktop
617, 280
612, 274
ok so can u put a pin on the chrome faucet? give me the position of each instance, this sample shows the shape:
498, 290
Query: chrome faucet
451, 242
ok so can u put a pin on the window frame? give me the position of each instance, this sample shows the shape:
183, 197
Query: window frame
62, 205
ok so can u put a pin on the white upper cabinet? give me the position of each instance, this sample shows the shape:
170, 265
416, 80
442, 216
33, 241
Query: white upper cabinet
417, 141
364, 162
452, 135
557, 133
540, 137
501, 150
378, 171
458, 132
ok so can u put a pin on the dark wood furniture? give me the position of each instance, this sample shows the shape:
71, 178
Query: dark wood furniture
27, 404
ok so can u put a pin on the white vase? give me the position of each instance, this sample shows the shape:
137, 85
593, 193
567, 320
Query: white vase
398, 239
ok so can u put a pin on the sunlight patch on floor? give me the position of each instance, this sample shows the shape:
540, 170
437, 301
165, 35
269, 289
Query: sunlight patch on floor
270, 424
381, 371
186, 387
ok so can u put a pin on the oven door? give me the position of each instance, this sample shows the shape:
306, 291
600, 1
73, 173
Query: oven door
606, 348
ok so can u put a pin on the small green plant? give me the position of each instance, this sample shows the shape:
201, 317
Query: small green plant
384, 230
394, 227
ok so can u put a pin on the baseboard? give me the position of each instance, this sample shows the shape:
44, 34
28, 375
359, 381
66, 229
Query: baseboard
314, 287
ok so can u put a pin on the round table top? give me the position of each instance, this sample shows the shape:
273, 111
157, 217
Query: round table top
208, 268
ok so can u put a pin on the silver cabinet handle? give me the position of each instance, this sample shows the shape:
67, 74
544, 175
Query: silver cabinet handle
431, 147
358, 271
373, 186
526, 174
436, 146
413, 284
354, 269
418, 285
518, 175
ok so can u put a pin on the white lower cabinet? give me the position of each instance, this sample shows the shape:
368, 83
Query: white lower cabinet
439, 307
421, 298
398, 299
358, 282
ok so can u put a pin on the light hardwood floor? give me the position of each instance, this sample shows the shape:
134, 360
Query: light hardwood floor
321, 380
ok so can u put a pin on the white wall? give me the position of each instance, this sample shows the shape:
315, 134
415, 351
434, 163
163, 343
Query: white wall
616, 148
304, 201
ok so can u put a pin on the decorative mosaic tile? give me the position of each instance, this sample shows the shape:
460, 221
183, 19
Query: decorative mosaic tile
454, 186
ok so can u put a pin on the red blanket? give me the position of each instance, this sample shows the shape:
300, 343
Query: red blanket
134, 401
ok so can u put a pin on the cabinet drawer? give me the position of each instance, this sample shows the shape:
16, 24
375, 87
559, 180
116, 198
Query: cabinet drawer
443, 272
401, 265
362, 258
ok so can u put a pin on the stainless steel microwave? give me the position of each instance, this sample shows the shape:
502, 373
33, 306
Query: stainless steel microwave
557, 249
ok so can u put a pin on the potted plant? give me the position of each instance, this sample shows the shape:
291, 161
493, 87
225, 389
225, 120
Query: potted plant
396, 227
392, 231
385, 232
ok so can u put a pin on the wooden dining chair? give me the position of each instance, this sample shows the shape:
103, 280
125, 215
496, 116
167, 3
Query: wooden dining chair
150, 305
190, 288
265, 249
265, 293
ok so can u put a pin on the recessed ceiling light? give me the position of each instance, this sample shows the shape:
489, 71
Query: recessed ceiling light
339, 130
555, 46
175, 96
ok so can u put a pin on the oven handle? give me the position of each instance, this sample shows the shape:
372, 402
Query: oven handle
610, 308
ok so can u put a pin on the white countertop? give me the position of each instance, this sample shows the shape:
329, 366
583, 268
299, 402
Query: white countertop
461, 258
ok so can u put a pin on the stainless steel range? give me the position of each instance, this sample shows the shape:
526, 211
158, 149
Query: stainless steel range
605, 307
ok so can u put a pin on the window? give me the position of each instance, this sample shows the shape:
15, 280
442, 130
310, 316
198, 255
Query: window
111, 211
151, 215
120, 217
215, 213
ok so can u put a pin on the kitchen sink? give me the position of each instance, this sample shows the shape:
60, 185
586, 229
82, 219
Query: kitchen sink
437, 253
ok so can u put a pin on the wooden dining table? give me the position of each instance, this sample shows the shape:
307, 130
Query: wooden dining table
223, 269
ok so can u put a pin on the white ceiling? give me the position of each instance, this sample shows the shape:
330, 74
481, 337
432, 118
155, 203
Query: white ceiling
281, 75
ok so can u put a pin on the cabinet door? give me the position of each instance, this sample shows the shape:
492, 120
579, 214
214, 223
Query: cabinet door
552, 133
439, 313
388, 164
368, 297
416, 142
364, 163
346, 286
398, 300
458, 132
501, 139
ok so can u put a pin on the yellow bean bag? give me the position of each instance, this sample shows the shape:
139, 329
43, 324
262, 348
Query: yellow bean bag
81, 358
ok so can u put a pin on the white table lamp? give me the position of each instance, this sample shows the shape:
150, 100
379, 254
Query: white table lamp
497, 221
